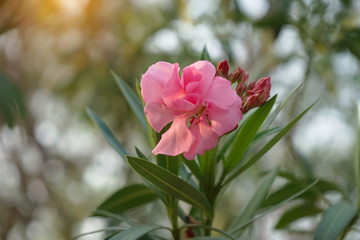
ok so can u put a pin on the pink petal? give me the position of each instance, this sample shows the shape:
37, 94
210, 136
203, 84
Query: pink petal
156, 78
224, 120
221, 93
186, 104
206, 138
176, 140
158, 115
197, 77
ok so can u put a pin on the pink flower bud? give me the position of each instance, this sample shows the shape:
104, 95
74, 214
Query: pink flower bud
257, 94
239, 75
222, 69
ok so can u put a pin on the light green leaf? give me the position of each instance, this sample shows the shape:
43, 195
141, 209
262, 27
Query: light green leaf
267, 147
107, 133
277, 110
335, 220
169, 183
136, 232
127, 198
255, 202
132, 99
297, 212
246, 134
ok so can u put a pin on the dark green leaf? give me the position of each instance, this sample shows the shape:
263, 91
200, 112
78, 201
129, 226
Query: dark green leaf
135, 233
255, 202
11, 101
127, 198
246, 134
335, 220
107, 133
297, 212
266, 211
132, 99
140, 154
287, 191
169, 183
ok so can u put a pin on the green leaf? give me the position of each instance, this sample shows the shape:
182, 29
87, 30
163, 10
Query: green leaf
266, 211
267, 147
11, 101
169, 183
277, 110
335, 220
246, 134
127, 198
107, 133
136, 232
195, 226
140, 153
169, 163
255, 202
287, 191
132, 99
356, 162
265, 133
205, 55
193, 166
297, 212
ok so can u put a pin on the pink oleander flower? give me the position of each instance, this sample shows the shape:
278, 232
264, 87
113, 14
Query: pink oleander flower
201, 106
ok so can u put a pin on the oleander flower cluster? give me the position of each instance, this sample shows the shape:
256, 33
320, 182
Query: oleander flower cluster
201, 104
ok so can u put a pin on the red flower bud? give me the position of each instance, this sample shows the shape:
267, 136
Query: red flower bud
239, 75
222, 69
257, 94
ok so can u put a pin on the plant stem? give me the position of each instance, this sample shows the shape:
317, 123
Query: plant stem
172, 210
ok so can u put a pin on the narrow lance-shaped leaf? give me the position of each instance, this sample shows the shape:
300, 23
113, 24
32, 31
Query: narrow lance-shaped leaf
127, 198
267, 147
266, 211
297, 212
357, 152
335, 220
205, 55
107, 133
246, 134
277, 110
169, 183
136, 232
132, 99
255, 202
12, 102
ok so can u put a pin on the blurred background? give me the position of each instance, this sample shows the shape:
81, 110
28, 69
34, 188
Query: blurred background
55, 61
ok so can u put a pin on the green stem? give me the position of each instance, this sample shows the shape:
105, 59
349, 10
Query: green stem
172, 210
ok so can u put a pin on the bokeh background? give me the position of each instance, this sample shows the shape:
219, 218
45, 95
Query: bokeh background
55, 61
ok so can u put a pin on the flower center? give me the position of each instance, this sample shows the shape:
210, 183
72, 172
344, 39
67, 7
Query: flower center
199, 113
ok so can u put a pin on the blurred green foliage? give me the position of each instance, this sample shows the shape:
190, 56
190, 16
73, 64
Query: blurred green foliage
59, 55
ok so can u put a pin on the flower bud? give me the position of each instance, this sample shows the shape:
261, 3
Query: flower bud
257, 94
239, 75
222, 69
